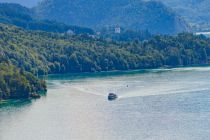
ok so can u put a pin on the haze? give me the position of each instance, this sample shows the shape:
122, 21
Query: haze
27, 3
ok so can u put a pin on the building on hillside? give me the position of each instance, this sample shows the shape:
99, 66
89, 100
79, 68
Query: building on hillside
98, 33
70, 32
117, 30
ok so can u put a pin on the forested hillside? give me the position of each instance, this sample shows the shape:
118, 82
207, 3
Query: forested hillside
196, 12
129, 14
27, 3
16, 83
43, 52
125, 35
23, 52
20, 16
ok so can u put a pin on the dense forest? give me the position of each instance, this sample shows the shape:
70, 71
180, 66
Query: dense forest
16, 83
44, 52
40, 53
125, 34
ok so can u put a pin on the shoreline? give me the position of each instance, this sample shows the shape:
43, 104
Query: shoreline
102, 74
110, 71
32, 96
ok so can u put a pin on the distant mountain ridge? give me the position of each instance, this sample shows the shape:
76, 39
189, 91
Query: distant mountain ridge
131, 14
27, 3
20, 16
196, 12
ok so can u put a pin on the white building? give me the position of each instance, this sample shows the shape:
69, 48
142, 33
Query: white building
117, 30
70, 32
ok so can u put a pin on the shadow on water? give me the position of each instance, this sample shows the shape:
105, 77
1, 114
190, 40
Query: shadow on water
77, 76
20, 102
15, 103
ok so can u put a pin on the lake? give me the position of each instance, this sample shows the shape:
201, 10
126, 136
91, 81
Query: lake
158, 104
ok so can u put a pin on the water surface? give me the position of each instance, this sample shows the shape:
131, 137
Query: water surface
153, 105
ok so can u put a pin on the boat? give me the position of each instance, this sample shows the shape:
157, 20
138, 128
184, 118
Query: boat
112, 96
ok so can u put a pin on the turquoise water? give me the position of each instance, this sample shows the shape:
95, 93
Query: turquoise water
169, 104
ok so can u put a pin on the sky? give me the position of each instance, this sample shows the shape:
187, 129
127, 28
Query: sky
27, 3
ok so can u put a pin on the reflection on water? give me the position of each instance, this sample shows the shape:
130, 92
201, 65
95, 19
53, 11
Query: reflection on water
153, 105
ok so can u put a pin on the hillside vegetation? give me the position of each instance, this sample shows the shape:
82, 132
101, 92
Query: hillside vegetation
42, 47
196, 12
16, 83
20, 16
129, 14
24, 54
43, 52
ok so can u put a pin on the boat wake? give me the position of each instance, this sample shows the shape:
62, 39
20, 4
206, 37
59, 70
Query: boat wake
172, 81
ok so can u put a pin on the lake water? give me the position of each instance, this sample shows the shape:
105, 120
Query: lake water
171, 104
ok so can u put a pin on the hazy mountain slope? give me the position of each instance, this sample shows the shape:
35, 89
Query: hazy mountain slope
18, 15
132, 14
28, 3
197, 12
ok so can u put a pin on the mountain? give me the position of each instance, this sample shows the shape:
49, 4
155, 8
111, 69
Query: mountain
20, 16
130, 14
27, 3
196, 12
